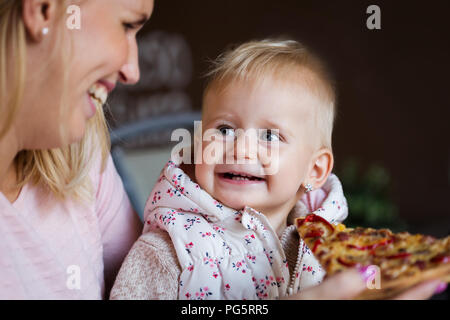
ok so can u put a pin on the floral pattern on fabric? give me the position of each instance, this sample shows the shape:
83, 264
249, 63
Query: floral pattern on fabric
224, 253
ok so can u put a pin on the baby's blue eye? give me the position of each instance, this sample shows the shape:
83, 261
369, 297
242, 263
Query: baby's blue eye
268, 135
226, 131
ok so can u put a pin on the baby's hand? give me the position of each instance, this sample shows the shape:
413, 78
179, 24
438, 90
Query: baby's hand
348, 284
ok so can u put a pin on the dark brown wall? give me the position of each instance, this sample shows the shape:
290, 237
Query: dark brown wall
393, 83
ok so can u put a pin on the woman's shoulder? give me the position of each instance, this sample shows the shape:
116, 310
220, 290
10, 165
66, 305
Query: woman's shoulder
101, 166
108, 189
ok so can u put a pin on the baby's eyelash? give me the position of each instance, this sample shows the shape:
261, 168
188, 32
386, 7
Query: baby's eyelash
224, 125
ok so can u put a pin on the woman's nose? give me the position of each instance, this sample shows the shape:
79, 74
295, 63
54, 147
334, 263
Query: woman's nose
129, 73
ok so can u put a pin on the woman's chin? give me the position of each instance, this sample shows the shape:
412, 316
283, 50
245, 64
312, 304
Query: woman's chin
77, 131
76, 139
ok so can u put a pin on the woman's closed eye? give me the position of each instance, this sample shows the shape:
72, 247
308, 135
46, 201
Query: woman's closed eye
131, 26
134, 26
128, 26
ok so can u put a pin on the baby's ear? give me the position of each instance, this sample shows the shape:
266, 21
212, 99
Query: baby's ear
321, 166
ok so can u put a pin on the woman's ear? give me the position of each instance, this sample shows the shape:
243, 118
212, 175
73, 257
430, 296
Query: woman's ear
38, 15
321, 166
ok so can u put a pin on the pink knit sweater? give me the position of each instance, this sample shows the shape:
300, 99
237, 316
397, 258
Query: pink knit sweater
51, 249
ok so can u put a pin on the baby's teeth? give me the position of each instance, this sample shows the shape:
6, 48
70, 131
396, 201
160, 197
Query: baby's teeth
239, 178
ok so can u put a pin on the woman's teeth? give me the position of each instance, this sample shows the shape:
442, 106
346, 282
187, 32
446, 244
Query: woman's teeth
99, 94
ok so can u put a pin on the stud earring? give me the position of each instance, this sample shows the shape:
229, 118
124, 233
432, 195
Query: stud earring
308, 187
45, 31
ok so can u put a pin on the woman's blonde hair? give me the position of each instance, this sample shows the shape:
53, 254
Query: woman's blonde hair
280, 58
64, 171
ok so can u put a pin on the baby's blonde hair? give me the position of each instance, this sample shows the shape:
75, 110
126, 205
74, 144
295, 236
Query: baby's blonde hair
279, 58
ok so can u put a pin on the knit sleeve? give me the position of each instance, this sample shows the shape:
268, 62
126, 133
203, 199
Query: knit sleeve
150, 270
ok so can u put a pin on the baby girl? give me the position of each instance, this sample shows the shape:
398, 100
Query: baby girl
221, 228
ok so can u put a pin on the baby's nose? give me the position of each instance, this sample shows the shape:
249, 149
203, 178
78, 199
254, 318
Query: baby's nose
246, 145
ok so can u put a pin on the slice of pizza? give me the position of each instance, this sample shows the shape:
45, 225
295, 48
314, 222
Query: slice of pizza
398, 261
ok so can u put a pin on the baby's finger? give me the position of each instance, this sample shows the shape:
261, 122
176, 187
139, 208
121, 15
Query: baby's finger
422, 291
345, 285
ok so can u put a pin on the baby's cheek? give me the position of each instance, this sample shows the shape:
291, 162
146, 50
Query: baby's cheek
288, 179
204, 175
280, 182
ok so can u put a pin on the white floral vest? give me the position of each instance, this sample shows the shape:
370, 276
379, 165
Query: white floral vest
229, 254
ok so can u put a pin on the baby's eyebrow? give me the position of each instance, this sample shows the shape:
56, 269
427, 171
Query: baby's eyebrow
270, 124
223, 116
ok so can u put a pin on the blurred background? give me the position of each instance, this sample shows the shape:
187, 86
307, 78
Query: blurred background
391, 139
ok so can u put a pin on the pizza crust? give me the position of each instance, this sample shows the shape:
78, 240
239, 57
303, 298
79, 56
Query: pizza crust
392, 288
397, 256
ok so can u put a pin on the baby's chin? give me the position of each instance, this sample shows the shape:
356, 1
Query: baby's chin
236, 202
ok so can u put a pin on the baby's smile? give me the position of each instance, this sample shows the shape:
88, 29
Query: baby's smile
239, 177
263, 166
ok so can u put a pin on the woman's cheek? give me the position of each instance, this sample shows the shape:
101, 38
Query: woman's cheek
118, 52
103, 37
78, 125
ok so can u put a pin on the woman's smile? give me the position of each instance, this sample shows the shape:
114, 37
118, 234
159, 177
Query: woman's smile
97, 96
